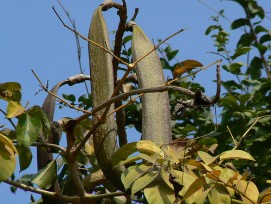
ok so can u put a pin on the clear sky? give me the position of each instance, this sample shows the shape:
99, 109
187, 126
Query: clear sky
33, 38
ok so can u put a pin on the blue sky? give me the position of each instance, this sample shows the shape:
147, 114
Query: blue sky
33, 38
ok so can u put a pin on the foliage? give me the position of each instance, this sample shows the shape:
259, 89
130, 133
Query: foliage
205, 162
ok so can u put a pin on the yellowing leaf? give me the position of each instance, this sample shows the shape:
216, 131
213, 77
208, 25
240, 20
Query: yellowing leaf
14, 109
219, 194
8, 142
148, 147
158, 192
206, 158
236, 154
46, 176
194, 187
144, 181
249, 189
130, 175
7, 161
185, 66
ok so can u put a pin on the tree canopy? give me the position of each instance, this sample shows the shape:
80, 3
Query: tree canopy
185, 154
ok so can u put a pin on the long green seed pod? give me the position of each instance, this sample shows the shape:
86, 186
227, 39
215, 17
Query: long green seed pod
102, 86
155, 106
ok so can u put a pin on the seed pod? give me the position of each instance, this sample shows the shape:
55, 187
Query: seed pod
102, 86
155, 106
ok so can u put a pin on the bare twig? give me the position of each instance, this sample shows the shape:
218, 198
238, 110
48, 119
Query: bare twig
73, 199
85, 38
62, 149
9, 119
59, 98
78, 46
235, 144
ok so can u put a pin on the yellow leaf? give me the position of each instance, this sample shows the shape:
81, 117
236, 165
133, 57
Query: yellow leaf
185, 66
206, 158
249, 189
8, 142
148, 147
14, 109
236, 154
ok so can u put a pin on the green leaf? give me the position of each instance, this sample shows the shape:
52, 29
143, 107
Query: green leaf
239, 23
265, 38
14, 109
259, 29
46, 176
211, 28
7, 160
159, 192
39, 114
245, 40
144, 181
69, 97
234, 68
255, 68
25, 157
236, 154
28, 129
240, 51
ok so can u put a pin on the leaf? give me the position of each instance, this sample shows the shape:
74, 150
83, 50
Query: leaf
5, 140
123, 152
239, 23
148, 147
130, 175
211, 28
236, 154
27, 129
255, 68
249, 189
144, 181
14, 109
10, 91
94, 179
240, 51
159, 192
7, 160
219, 194
185, 66
46, 176
25, 157
39, 114
198, 184
206, 158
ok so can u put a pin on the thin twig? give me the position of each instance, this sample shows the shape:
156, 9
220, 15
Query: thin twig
78, 46
9, 119
73, 199
59, 98
244, 135
159, 44
85, 38
60, 148
235, 144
